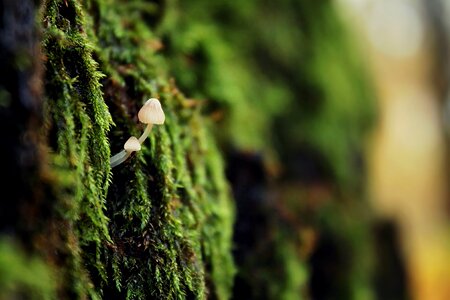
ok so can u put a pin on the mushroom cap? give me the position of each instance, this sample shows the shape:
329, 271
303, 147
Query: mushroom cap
132, 144
151, 112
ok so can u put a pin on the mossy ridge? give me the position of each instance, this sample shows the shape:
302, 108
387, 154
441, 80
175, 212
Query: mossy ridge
77, 124
167, 255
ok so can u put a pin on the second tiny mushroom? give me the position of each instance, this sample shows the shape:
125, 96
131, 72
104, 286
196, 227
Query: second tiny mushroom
132, 144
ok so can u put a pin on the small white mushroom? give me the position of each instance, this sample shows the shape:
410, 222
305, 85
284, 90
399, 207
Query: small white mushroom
130, 146
151, 113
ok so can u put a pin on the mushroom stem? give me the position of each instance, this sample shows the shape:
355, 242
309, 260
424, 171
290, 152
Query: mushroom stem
119, 158
146, 133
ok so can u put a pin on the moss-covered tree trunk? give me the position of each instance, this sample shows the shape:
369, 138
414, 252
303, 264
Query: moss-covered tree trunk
273, 85
157, 226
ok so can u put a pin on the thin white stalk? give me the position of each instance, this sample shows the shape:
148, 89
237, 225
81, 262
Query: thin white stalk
146, 133
119, 158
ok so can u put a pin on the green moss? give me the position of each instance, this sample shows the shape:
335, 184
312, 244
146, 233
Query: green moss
77, 124
23, 275
159, 225
294, 273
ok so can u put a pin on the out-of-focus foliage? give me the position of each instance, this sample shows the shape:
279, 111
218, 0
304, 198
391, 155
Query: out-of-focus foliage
284, 79
283, 74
